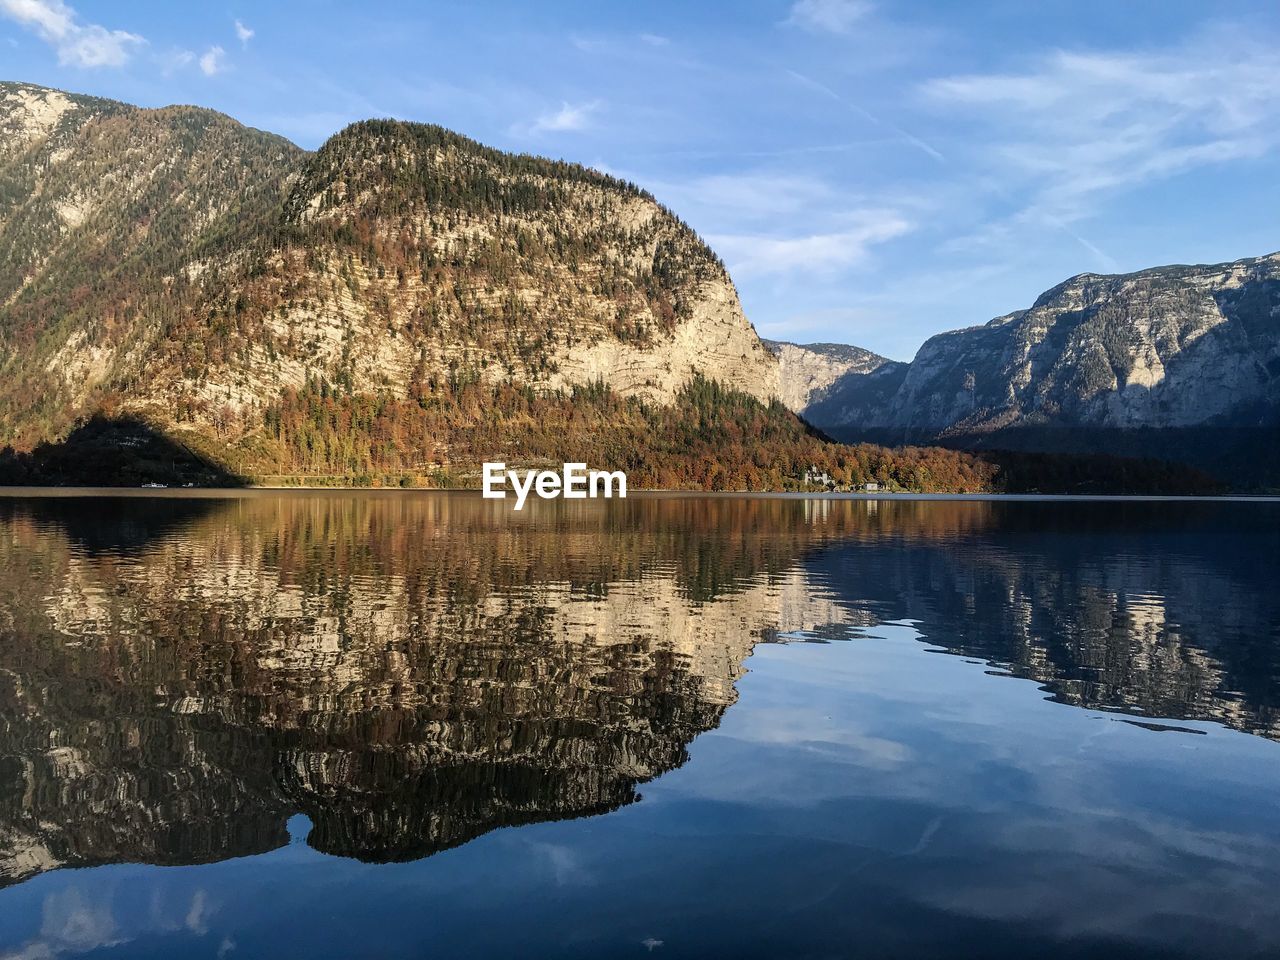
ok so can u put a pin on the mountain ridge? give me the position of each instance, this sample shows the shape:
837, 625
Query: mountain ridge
198, 299
1097, 363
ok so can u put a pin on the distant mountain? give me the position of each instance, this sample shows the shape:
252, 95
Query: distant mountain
1180, 362
833, 384
808, 371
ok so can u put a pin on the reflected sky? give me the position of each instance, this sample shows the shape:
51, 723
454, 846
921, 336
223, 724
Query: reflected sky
332, 725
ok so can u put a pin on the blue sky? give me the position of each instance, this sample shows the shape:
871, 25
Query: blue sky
873, 172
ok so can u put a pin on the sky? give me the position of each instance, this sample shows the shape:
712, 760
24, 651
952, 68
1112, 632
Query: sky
872, 172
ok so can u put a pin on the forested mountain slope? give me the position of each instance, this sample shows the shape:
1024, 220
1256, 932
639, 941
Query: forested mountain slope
116, 225
176, 266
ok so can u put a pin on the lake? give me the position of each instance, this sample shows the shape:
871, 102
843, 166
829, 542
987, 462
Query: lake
387, 725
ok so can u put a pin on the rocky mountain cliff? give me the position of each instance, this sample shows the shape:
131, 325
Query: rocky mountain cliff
808, 371
108, 217
833, 384
1097, 363
176, 265
404, 303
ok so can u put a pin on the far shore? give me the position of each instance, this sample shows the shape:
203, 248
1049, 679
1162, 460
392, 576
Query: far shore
251, 491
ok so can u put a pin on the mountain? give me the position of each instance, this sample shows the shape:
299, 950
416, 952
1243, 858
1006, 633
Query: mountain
808, 371
179, 267
833, 384
108, 216
1180, 362
186, 299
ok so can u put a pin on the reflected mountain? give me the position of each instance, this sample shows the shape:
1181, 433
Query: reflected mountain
179, 677
409, 672
107, 524
1163, 609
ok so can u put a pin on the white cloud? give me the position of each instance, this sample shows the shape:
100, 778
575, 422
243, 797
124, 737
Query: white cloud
625, 46
245, 34
828, 16
1080, 126
51, 18
569, 117
212, 61
809, 324
758, 255
77, 44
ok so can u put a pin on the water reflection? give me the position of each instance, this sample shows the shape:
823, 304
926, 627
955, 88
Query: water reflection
408, 673
1160, 609
179, 678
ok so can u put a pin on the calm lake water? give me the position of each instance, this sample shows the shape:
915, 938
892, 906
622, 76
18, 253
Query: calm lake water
339, 725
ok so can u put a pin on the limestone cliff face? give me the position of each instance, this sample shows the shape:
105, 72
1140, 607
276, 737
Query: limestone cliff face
1166, 350
714, 340
516, 266
807, 371
831, 384
173, 260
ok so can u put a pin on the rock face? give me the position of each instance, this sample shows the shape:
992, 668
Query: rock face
831, 384
176, 264
1169, 347
808, 371
1162, 352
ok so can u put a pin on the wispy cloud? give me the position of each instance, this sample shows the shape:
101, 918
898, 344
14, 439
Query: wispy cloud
654, 58
570, 117
176, 59
750, 195
782, 225
71, 924
867, 115
592, 44
828, 16
1079, 126
243, 34
213, 61
77, 44
758, 255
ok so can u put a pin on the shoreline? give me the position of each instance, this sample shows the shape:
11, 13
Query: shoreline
231, 493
